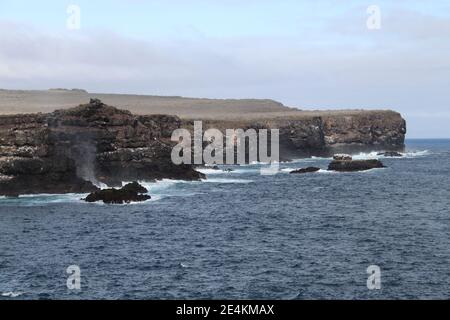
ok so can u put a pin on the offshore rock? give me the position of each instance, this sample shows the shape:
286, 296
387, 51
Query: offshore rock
354, 165
305, 170
132, 192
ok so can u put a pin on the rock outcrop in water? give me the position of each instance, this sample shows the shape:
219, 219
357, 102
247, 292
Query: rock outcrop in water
132, 192
69, 151
305, 170
354, 165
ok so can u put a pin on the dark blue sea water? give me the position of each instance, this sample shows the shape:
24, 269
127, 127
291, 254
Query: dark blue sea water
242, 235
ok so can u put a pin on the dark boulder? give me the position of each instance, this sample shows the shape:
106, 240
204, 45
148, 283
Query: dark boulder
305, 170
135, 187
355, 165
132, 192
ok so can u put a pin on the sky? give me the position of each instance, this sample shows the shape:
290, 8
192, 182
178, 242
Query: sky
307, 54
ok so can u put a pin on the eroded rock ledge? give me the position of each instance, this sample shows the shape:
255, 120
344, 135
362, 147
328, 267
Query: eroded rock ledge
68, 151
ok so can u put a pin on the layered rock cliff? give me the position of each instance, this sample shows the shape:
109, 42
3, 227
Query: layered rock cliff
327, 133
73, 150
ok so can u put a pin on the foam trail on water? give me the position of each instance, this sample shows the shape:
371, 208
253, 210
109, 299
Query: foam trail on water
327, 171
368, 156
210, 171
376, 155
169, 188
12, 294
39, 199
413, 154
288, 170
164, 184
224, 180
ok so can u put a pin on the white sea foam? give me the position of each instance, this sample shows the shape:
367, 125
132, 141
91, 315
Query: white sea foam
101, 185
326, 171
366, 156
38, 199
164, 184
350, 172
12, 294
157, 190
288, 170
225, 180
210, 171
413, 154
306, 160
234, 170
369, 155
375, 155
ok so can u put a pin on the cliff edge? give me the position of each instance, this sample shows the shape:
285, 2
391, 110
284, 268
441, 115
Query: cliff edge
74, 150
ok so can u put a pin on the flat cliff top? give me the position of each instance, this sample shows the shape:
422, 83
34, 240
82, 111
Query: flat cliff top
33, 101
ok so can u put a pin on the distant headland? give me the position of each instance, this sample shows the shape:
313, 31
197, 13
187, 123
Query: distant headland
47, 147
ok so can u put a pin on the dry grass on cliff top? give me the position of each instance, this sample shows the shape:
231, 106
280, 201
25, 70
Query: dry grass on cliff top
19, 102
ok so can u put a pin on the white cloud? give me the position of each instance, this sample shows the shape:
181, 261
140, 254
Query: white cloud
405, 66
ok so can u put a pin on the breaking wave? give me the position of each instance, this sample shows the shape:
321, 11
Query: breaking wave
225, 180
369, 155
171, 188
234, 170
375, 155
12, 294
41, 199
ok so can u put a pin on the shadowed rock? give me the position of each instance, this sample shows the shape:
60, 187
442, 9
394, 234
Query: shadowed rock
132, 192
354, 165
305, 170
135, 187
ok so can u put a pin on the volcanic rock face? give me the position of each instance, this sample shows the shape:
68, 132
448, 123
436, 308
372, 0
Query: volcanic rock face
70, 150
328, 133
365, 132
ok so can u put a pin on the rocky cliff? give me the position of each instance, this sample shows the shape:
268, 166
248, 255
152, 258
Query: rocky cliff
327, 133
73, 150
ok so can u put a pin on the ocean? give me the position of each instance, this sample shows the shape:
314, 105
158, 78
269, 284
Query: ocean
243, 235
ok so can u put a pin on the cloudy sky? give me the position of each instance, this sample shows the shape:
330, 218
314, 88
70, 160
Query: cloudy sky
306, 54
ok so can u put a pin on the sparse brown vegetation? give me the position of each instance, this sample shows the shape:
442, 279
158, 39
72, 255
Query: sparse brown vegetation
20, 101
